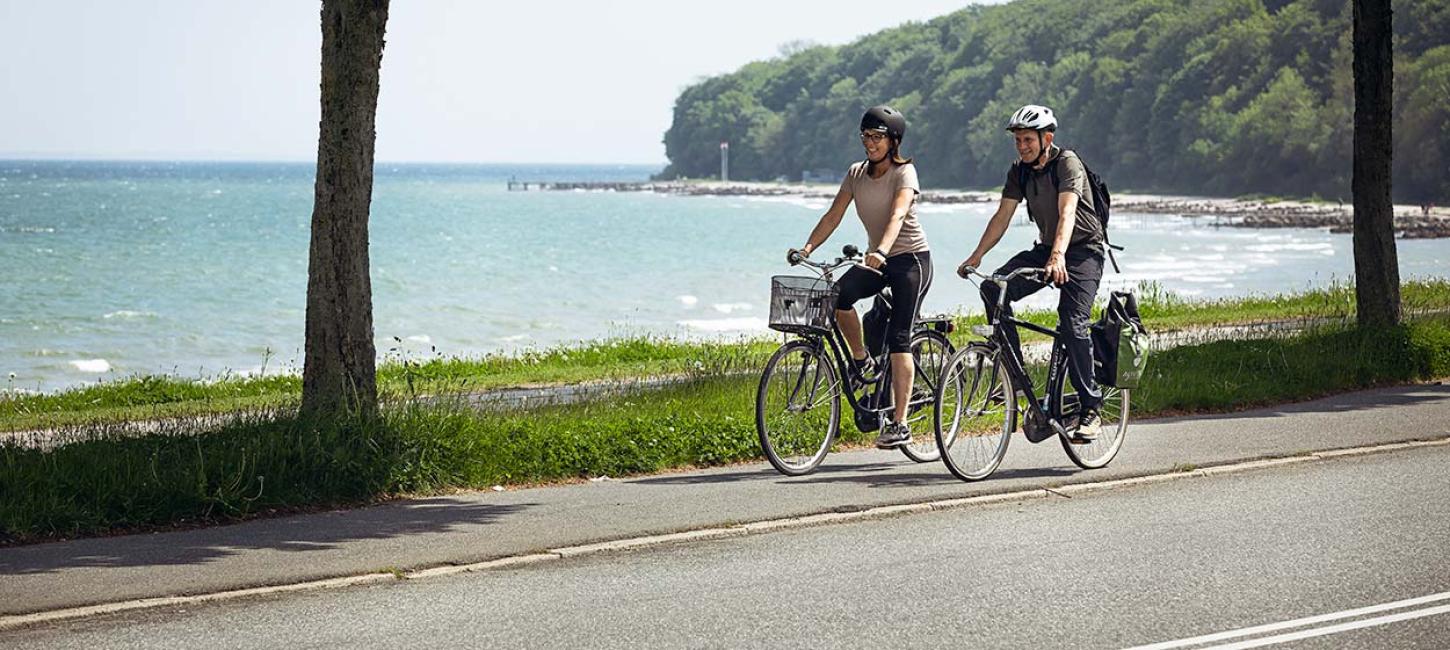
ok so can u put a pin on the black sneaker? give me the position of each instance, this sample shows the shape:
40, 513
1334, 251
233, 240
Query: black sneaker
1089, 427
895, 434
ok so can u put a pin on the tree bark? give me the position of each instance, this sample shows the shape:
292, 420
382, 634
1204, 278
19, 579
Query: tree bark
339, 373
1376, 263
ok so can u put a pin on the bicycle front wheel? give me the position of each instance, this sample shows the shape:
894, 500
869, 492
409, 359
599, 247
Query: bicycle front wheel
930, 351
975, 413
798, 408
1114, 413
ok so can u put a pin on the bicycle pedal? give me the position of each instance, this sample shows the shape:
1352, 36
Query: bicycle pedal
1037, 432
868, 422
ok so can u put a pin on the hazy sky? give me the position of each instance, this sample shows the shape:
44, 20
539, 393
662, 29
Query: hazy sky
485, 81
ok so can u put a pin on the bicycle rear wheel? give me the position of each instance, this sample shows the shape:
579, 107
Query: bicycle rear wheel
975, 412
1114, 413
930, 351
798, 407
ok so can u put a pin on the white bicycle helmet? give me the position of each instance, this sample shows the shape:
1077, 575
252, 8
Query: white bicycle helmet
1032, 116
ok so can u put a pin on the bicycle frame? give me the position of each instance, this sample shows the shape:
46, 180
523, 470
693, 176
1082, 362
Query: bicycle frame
833, 345
1017, 366
835, 342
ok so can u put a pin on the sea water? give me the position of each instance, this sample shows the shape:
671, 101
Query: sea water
112, 269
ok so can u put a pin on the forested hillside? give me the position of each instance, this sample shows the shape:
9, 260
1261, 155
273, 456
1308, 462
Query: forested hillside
1223, 97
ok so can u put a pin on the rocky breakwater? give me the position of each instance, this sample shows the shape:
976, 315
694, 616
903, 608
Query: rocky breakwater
1410, 222
817, 191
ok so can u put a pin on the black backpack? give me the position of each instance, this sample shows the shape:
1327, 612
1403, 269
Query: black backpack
1102, 200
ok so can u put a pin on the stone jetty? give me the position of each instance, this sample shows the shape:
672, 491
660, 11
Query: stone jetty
1411, 222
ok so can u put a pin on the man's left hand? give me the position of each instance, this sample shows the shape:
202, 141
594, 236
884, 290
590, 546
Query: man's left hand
875, 260
1056, 269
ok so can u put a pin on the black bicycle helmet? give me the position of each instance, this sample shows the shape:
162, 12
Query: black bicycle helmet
884, 119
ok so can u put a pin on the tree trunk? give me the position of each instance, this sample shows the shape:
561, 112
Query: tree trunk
1376, 264
339, 373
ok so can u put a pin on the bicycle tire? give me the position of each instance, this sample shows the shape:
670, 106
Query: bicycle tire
1114, 412
797, 407
975, 391
930, 351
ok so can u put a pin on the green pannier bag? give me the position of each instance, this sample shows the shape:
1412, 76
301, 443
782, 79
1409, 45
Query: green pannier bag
1120, 343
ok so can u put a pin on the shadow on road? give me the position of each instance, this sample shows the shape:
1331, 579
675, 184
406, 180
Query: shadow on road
299, 534
868, 474
764, 474
1386, 398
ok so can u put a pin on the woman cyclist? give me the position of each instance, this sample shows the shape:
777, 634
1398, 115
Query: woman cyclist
884, 189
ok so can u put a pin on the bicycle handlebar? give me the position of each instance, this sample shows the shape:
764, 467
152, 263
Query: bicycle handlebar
1003, 279
850, 254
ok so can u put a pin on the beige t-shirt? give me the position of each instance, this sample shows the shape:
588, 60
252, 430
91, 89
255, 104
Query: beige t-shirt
874, 197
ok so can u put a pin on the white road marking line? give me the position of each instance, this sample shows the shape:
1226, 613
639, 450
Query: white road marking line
1299, 622
1334, 629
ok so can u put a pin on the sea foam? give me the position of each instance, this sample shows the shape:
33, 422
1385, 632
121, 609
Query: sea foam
747, 324
729, 307
91, 365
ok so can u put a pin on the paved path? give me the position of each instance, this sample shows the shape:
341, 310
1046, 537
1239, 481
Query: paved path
1225, 555
479, 526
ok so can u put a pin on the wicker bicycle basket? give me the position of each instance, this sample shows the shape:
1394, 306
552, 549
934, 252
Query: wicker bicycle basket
801, 305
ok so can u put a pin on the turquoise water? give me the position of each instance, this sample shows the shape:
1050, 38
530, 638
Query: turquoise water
199, 269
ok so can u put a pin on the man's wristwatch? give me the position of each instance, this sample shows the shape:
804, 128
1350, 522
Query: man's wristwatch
880, 252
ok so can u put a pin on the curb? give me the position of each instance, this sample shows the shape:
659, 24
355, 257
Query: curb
721, 532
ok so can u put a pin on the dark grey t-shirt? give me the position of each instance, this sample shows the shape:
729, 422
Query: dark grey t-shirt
1042, 198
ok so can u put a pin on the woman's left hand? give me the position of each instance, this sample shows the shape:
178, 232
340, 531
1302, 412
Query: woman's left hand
875, 260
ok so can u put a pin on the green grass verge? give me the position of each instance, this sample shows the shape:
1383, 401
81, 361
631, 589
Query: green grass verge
154, 397
111, 478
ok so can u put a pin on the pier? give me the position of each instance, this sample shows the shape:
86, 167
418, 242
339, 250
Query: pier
586, 186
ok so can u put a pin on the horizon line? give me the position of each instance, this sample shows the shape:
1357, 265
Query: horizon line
292, 161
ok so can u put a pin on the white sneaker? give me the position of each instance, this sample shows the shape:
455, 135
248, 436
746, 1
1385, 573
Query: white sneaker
1089, 427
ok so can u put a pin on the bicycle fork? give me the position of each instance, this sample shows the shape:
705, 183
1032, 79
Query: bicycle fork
796, 405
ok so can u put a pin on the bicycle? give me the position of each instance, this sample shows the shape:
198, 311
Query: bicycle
985, 386
798, 402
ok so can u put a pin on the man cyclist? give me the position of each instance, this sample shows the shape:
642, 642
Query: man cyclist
884, 188
1070, 246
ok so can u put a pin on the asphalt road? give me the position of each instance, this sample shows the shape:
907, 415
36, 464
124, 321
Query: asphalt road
1108, 569
472, 527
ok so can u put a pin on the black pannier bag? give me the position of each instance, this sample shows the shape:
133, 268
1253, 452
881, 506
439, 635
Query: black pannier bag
1120, 343
873, 326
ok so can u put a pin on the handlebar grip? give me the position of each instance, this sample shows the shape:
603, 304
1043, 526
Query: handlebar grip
794, 257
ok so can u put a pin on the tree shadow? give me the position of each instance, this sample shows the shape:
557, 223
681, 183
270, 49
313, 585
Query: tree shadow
295, 534
1349, 401
760, 474
873, 474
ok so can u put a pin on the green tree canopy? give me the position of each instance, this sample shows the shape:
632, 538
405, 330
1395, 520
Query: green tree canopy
1218, 96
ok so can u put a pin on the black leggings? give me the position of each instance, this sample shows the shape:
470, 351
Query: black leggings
908, 275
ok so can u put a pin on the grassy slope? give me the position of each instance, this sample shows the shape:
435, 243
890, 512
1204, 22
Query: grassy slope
261, 461
161, 397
